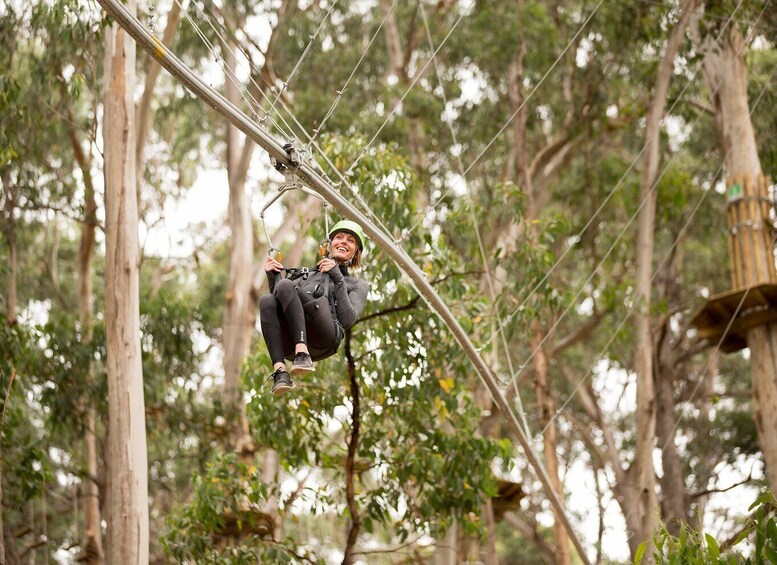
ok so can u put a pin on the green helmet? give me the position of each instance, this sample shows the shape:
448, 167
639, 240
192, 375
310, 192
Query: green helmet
350, 227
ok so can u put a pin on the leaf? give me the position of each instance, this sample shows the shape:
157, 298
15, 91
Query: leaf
640, 553
712, 544
771, 530
447, 384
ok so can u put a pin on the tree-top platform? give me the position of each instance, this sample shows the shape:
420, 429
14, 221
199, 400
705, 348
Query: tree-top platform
726, 317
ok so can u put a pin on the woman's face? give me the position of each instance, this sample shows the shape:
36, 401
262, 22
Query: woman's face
344, 246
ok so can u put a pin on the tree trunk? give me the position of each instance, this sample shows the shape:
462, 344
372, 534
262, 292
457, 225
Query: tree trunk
726, 75
240, 310
91, 546
11, 293
547, 413
128, 496
673, 499
647, 507
10, 239
399, 57
445, 552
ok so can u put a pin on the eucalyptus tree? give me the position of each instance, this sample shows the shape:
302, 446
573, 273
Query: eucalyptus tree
724, 48
128, 524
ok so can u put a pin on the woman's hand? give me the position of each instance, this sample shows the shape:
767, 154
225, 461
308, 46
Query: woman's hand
326, 264
272, 265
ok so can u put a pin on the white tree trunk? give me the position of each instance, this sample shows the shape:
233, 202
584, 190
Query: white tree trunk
240, 310
128, 495
726, 74
547, 411
647, 505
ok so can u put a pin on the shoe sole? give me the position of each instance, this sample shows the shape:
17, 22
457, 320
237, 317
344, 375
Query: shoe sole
282, 389
297, 371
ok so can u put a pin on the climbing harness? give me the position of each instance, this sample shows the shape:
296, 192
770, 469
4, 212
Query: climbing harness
291, 183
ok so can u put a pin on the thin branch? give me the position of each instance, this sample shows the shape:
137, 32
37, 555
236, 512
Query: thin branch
410, 305
7, 396
350, 490
583, 331
728, 488
700, 105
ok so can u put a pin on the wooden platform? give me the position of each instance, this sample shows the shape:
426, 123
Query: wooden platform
729, 315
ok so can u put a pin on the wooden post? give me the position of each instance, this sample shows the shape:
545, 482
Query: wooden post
751, 245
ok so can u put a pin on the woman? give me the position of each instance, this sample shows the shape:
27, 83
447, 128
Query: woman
294, 324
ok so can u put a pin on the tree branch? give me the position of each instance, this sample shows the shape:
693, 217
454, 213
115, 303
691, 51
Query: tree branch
350, 491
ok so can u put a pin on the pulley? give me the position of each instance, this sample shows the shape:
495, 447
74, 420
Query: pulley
290, 183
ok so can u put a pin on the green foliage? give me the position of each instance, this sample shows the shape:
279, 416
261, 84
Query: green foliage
755, 544
229, 491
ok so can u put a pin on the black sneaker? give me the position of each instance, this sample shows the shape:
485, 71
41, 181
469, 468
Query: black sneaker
302, 365
281, 382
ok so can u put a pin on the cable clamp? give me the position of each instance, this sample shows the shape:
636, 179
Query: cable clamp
293, 160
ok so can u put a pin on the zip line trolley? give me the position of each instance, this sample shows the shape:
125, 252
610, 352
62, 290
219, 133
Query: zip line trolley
291, 183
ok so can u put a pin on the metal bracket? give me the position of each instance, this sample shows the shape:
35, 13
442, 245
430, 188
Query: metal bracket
293, 157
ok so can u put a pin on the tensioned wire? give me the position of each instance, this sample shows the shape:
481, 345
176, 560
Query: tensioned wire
419, 74
302, 57
626, 227
228, 72
680, 234
317, 130
291, 136
515, 113
657, 271
471, 207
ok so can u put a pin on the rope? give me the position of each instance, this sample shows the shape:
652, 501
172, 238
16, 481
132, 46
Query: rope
302, 57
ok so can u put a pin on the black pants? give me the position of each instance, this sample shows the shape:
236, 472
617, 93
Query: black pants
282, 315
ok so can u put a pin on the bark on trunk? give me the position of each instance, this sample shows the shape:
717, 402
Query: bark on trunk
647, 509
726, 76
92, 546
8, 229
354, 526
128, 496
11, 293
673, 498
240, 310
547, 412
399, 57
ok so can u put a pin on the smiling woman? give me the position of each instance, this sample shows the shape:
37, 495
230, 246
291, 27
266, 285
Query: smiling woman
303, 317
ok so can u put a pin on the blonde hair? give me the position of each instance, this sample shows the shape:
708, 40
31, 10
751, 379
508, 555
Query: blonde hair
356, 260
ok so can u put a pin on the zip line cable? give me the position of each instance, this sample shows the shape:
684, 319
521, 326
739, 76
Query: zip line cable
522, 105
302, 57
418, 76
123, 17
290, 136
471, 207
231, 75
317, 130
676, 241
615, 189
